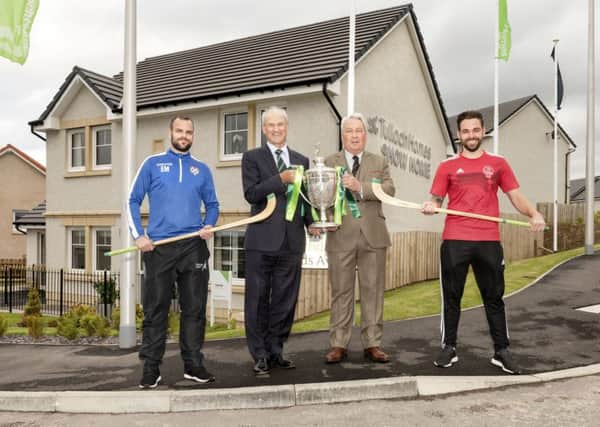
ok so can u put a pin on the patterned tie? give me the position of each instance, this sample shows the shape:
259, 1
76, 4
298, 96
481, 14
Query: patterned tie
280, 163
355, 165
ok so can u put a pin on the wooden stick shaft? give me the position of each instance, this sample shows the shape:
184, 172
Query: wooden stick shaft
264, 214
386, 198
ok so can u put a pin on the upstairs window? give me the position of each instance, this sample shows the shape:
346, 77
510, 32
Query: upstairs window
76, 138
235, 135
102, 147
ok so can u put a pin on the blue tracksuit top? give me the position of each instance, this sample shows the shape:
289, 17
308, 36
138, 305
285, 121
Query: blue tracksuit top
176, 185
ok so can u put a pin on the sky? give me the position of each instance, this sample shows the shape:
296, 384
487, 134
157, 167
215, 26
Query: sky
459, 37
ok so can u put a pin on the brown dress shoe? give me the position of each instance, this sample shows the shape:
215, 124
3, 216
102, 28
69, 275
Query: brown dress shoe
336, 355
375, 354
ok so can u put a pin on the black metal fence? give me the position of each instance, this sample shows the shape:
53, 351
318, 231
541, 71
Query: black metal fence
59, 289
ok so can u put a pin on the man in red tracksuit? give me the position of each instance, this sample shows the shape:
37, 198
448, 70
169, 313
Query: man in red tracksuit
471, 180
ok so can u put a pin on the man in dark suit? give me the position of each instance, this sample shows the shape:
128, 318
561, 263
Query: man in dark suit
359, 245
274, 247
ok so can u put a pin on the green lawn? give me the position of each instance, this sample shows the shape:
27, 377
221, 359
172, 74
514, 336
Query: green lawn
415, 300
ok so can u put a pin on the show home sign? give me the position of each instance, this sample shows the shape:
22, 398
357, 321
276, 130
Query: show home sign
402, 150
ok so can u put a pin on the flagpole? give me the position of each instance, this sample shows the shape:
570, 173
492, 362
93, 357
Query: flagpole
351, 49
127, 332
591, 129
496, 82
555, 134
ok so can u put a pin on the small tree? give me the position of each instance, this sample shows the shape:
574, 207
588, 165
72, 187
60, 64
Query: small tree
34, 305
35, 326
33, 308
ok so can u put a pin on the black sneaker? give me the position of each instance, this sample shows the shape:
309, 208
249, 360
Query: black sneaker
504, 360
278, 361
261, 368
198, 374
151, 376
446, 358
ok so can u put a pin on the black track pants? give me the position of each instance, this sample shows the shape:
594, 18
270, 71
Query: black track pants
185, 263
487, 261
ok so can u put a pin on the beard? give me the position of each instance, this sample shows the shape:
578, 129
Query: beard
472, 150
181, 147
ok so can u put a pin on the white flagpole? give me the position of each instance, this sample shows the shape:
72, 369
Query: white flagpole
555, 204
496, 78
127, 333
591, 129
351, 48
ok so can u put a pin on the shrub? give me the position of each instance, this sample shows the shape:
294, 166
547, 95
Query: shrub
3, 326
53, 323
139, 317
33, 307
35, 326
67, 327
94, 325
107, 292
80, 310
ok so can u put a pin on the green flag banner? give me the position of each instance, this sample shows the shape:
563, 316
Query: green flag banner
16, 19
503, 31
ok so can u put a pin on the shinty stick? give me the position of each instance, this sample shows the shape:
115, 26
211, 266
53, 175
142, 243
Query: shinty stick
264, 214
387, 199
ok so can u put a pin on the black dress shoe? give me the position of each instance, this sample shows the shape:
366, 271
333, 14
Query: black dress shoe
278, 361
261, 367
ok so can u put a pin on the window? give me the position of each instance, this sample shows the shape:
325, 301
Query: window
77, 245
102, 147
229, 253
76, 138
235, 135
102, 243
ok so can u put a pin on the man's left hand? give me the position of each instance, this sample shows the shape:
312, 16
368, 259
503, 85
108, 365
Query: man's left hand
206, 232
537, 222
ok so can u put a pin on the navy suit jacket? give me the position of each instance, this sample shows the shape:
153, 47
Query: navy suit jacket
259, 178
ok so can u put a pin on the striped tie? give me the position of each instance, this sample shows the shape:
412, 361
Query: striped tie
355, 165
280, 163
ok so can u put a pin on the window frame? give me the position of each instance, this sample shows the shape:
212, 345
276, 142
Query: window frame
224, 113
95, 247
70, 231
95, 165
233, 249
70, 134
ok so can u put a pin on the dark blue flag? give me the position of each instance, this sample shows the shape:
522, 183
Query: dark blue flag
560, 88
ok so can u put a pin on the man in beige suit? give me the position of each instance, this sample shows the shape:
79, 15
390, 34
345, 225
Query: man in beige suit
359, 242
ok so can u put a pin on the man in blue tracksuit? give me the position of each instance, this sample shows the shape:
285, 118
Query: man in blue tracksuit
177, 185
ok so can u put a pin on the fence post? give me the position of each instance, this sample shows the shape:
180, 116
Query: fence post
10, 290
106, 298
5, 275
61, 291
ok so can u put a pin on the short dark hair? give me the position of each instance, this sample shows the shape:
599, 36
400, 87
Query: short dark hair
466, 115
187, 119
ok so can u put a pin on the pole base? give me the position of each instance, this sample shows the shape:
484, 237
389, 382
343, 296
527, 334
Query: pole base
589, 250
127, 336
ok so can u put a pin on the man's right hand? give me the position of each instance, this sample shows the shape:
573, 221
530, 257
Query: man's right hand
144, 244
288, 176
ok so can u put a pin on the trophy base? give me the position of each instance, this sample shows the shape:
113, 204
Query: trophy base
321, 224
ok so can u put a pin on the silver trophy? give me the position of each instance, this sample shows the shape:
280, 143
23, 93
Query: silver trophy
321, 185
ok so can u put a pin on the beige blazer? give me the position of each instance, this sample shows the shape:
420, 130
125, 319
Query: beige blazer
372, 222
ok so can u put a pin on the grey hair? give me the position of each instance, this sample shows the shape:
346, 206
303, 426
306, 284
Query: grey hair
354, 116
274, 109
